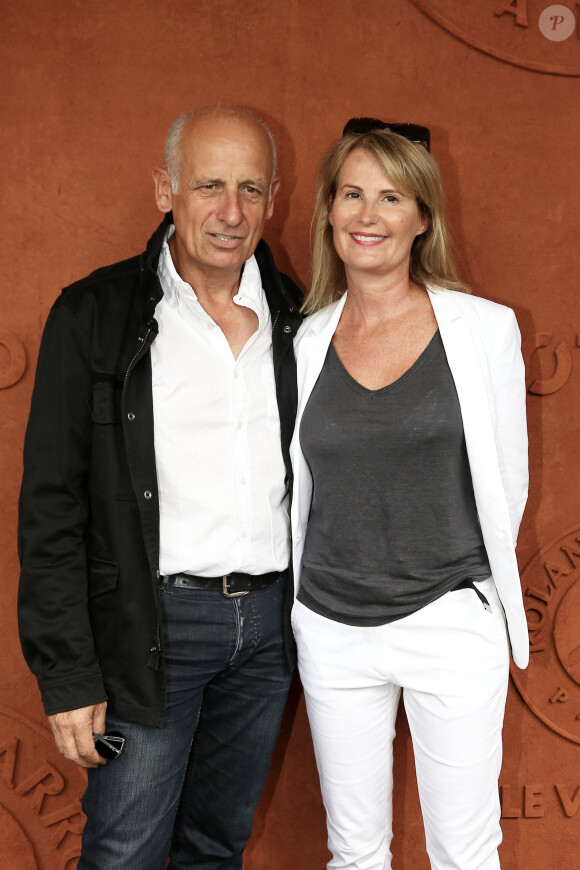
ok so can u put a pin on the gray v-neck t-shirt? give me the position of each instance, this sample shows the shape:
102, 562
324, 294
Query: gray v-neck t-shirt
393, 523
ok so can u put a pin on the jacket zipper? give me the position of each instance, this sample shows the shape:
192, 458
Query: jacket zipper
143, 342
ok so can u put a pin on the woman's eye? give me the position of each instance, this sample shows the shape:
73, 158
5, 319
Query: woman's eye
391, 198
352, 194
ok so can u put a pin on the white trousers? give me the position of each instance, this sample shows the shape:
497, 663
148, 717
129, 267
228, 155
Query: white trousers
450, 660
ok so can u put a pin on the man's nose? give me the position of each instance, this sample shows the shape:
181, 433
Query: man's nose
230, 208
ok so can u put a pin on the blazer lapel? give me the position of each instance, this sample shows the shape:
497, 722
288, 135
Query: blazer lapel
467, 368
312, 350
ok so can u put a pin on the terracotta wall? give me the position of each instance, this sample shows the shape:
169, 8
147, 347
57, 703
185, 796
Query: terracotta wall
88, 91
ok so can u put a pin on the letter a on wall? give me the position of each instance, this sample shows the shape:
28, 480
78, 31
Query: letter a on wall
518, 8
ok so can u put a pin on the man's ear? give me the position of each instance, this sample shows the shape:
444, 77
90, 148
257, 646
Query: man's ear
273, 191
163, 192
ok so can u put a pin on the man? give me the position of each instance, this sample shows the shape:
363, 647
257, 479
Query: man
154, 524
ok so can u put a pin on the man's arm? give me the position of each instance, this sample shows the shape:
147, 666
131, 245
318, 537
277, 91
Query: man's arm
54, 622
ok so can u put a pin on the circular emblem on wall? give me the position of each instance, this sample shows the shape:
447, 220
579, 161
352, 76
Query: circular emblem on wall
551, 588
532, 34
40, 811
12, 359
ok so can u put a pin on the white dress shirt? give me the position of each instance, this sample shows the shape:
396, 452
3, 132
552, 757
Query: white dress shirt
220, 471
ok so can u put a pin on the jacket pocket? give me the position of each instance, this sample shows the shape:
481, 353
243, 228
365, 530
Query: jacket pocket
102, 576
105, 405
109, 470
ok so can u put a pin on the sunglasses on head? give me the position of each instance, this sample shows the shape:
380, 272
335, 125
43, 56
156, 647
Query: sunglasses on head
413, 132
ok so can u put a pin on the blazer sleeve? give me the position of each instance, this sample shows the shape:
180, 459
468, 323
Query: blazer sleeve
509, 391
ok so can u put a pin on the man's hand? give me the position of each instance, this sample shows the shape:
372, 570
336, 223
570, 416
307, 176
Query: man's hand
73, 733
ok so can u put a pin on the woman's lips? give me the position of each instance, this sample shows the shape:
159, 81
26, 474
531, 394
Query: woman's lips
367, 239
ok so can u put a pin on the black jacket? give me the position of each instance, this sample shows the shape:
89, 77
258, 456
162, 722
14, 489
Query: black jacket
89, 513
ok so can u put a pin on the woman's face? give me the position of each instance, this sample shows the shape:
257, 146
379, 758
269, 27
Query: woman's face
374, 224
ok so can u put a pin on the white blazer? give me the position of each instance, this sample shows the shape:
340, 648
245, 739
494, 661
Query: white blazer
482, 344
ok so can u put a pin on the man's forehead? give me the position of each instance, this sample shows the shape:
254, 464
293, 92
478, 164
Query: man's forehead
230, 141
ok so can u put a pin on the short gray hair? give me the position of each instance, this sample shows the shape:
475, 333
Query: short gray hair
172, 153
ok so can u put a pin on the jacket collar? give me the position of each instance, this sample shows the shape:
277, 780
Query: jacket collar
153, 249
445, 304
326, 318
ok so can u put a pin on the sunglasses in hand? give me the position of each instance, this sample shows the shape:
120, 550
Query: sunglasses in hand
109, 745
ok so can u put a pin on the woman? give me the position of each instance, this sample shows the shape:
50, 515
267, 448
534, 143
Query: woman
410, 480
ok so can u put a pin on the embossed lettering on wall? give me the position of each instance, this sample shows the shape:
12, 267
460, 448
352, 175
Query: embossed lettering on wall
534, 34
40, 809
551, 589
12, 359
535, 800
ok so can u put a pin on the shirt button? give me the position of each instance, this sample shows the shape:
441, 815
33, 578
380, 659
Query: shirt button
287, 329
235, 374
240, 425
148, 494
242, 480
244, 534
175, 303
210, 326
131, 416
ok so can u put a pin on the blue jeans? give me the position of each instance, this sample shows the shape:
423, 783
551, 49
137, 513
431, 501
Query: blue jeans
189, 789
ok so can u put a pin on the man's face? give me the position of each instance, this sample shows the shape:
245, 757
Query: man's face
223, 200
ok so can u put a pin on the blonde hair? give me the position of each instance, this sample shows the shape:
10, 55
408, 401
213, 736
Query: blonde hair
414, 171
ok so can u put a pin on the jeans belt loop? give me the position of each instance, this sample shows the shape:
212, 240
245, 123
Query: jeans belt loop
225, 588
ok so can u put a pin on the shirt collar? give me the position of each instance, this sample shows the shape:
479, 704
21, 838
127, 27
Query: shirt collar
250, 292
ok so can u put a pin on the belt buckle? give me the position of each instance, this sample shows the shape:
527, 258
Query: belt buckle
230, 594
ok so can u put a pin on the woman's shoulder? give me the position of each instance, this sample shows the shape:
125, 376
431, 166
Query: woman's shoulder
479, 306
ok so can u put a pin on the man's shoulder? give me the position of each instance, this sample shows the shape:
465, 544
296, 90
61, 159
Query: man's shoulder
117, 279
105, 297
102, 280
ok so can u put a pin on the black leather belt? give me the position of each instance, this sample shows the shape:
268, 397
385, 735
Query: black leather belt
231, 585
